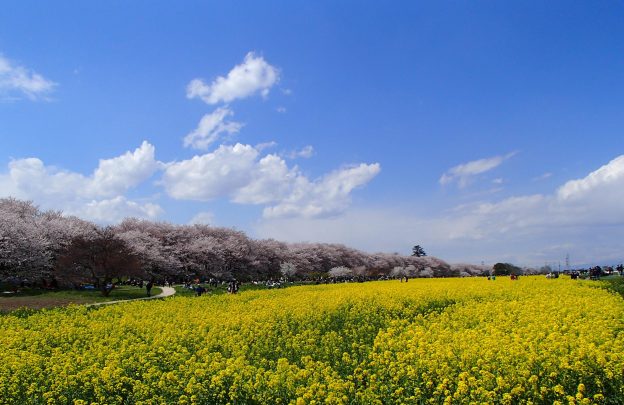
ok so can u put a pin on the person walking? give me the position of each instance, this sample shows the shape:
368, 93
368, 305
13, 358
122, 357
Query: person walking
148, 287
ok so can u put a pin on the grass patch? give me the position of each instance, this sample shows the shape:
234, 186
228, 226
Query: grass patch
615, 284
38, 298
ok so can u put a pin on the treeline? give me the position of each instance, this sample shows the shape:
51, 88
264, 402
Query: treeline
40, 245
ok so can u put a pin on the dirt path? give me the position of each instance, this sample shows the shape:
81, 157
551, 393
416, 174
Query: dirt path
166, 292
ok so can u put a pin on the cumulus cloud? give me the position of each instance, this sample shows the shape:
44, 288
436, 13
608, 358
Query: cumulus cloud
8, 187
119, 174
211, 175
31, 177
464, 173
607, 179
236, 172
18, 81
252, 76
239, 173
211, 127
327, 196
271, 180
112, 176
94, 197
116, 209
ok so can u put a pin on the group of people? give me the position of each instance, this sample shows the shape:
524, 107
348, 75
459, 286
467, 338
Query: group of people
233, 287
200, 289
511, 276
271, 283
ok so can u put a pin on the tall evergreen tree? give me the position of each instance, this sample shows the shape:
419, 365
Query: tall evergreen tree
418, 251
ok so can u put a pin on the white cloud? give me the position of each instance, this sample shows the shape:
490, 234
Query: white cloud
211, 127
8, 187
17, 81
543, 176
117, 175
270, 181
327, 196
97, 197
202, 218
32, 178
212, 175
607, 179
592, 201
281, 110
465, 172
236, 172
116, 209
253, 76
239, 173
112, 177
265, 145
305, 152
589, 202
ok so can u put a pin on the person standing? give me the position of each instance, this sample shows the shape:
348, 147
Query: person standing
148, 287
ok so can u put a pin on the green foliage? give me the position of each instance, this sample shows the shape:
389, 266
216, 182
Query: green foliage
506, 269
615, 284
418, 251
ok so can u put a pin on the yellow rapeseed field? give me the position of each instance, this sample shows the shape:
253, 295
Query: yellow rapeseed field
454, 341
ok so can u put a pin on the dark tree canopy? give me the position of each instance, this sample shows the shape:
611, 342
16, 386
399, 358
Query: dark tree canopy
99, 258
506, 269
418, 251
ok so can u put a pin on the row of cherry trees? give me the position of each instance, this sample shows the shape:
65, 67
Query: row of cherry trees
36, 245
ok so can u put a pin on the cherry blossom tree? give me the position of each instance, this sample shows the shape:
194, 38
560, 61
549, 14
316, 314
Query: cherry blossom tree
24, 253
99, 257
265, 259
340, 271
35, 244
288, 270
155, 260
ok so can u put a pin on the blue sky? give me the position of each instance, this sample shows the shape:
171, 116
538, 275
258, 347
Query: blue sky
484, 131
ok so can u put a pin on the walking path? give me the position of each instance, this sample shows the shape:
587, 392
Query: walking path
166, 292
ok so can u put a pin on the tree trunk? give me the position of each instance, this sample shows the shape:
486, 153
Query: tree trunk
105, 291
104, 287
